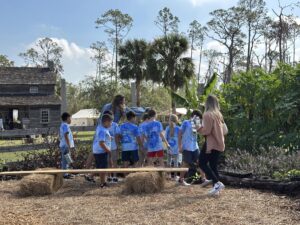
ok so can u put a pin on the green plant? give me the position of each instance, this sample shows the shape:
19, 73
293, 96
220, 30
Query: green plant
191, 100
262, 109
264, 163
290, 175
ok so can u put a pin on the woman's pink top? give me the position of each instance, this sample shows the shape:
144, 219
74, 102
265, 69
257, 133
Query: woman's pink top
213, 130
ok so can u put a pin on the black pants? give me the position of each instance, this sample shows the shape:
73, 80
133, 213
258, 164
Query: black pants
209, 164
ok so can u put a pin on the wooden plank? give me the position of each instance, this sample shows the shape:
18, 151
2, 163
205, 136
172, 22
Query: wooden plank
110, 170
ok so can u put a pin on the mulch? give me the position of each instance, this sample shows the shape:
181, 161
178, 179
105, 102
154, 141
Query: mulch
79, 202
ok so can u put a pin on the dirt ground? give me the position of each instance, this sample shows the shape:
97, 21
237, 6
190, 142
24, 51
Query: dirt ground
79, 202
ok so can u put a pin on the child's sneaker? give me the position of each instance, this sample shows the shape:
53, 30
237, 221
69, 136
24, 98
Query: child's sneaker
205, 183
183, 182
217, 188
68, 176
109, 179
103, 185
115, 180
89, 179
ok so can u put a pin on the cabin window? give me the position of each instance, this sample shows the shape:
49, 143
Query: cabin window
34, 90
45, 116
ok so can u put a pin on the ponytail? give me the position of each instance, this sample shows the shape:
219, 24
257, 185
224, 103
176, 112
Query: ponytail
172, 122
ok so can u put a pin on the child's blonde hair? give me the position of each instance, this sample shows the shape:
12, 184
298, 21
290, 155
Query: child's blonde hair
173, 120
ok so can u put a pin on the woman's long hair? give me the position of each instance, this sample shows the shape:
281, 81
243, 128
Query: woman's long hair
172, 123
212, 106
117, 103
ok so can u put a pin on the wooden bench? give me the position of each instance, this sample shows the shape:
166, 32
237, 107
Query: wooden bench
82, 171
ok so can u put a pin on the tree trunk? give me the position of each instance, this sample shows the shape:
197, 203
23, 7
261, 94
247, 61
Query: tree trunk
280, 38
249, 48
117, 48
266, 54
192, 43
138, 92
200, 61
294, 48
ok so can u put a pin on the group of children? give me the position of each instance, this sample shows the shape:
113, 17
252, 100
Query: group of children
141, 145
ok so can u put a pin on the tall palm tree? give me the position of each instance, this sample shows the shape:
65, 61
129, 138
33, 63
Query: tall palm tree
168, 64
132, 63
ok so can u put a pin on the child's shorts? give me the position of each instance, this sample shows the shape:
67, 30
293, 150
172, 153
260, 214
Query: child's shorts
130, 156
114, 155
156, 154
190, 157
101, 160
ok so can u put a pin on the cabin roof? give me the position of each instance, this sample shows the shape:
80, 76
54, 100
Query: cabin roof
30, 100
27, 75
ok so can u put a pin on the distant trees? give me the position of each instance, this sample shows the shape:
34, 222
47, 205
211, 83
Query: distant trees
133, 63
44, 51
255, 13
5, 62
167, 62
100, 57
226, 26
196, 34
167, 22
117, 25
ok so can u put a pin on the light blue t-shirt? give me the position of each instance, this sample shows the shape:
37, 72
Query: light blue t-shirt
129, 132
113, 131
173, 141
142, 132
189, 138
152, 132
65, 128
117, 114
102, 134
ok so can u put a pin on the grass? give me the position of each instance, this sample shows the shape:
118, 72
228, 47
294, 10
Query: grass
11, 142
84, 135
174, 205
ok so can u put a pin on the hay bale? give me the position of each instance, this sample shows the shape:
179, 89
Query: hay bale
40, 184
144, 182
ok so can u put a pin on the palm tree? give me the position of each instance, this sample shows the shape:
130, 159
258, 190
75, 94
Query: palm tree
132, 63
167, 63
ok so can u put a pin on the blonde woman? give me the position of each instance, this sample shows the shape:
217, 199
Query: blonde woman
172, 134
212, 128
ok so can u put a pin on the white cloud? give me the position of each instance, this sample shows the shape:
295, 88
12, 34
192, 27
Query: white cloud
215, 45
76, 60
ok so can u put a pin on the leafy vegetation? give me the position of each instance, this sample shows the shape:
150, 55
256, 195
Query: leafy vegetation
266, 163
262, 109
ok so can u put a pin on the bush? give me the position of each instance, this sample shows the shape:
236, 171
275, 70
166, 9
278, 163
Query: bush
50, 158
263, 164
263, 109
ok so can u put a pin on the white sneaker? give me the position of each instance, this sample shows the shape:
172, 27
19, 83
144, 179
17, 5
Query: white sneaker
183, 183
206, 183
217, 188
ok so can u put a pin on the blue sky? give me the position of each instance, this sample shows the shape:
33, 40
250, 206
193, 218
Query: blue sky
71, 23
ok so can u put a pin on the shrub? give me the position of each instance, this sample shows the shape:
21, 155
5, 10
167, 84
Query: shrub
50, 158
263, 164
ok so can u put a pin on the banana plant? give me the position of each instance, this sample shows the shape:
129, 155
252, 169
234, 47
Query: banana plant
192, 100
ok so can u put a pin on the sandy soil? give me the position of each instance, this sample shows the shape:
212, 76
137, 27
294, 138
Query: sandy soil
79, 202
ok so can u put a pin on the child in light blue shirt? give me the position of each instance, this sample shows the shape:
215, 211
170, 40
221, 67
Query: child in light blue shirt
172, 134
102, 146
153, 133
130, 140
66, 142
